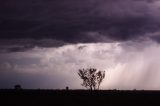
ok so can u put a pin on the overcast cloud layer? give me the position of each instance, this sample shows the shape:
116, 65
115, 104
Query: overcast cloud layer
80, 21
43, 43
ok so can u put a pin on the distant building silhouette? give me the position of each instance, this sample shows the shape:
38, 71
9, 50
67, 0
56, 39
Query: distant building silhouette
67, 88
17, 87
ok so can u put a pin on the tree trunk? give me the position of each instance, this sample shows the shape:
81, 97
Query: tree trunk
91, 88
98, 86
94, 88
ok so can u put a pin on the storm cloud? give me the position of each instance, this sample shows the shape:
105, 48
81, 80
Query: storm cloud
57, 67
21, 45
43, 43
79, 21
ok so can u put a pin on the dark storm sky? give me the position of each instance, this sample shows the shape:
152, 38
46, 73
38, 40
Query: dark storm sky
77, 20
43, 41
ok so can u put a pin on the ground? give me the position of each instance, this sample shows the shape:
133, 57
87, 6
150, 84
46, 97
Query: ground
78, 97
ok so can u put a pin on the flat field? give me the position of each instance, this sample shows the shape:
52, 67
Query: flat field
23, 97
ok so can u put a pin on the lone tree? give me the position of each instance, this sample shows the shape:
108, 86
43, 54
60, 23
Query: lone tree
91, 77
17, 87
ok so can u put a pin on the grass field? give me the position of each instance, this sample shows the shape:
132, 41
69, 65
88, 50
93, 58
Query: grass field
78, 97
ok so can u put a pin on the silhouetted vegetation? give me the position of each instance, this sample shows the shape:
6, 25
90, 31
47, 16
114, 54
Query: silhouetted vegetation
17, 87
91, 77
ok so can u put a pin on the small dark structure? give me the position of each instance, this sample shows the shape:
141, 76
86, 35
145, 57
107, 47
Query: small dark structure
67, 88
17, 87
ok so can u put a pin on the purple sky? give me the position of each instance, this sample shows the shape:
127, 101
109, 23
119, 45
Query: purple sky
44, 43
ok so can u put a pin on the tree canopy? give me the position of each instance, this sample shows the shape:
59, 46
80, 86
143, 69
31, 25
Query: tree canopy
92, 78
